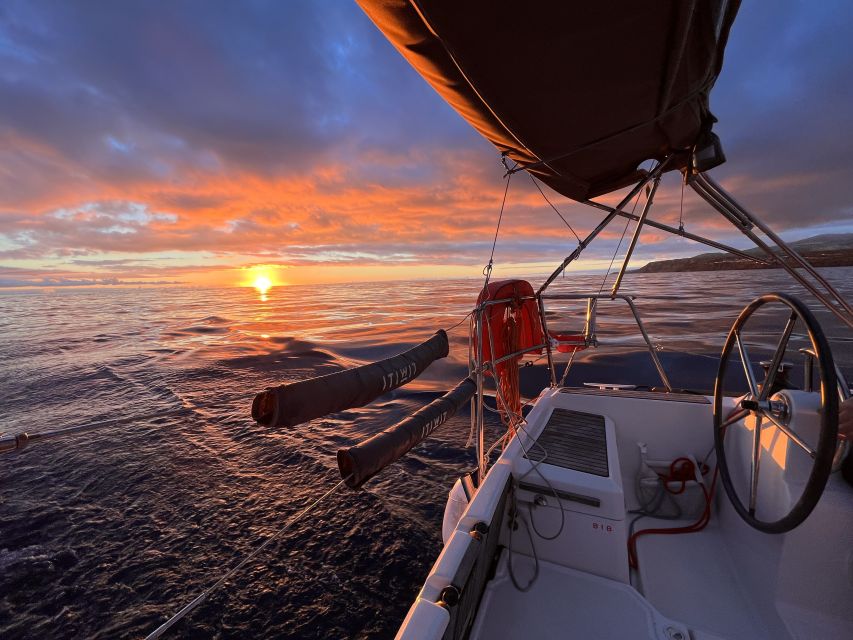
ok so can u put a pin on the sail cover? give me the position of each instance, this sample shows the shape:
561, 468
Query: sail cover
579, 93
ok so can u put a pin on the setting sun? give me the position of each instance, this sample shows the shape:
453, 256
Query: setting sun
262, 284
261, 277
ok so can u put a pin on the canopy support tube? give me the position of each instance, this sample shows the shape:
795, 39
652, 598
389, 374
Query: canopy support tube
654, 174
643, 215
714, 195
712, 184
680, 232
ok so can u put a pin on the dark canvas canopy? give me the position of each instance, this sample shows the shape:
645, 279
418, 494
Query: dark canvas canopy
580, 92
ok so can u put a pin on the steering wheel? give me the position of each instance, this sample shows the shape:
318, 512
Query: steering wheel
765, 410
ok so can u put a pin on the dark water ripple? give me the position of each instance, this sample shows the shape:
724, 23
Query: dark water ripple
105, 534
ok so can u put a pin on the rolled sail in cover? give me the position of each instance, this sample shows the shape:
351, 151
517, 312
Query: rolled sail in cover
291, 404
363, 461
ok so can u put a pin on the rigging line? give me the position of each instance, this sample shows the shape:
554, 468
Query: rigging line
681, 211
10, 442
618, 246
568, 366
163, 628
487, 270
464, 318
532, 179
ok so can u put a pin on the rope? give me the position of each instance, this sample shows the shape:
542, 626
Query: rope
568, 366
554, 208
515, 515
681, 211
180, 615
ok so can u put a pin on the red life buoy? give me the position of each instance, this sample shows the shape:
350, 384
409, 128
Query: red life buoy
509, 327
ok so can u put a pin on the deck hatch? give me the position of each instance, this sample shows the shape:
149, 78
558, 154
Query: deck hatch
575, 440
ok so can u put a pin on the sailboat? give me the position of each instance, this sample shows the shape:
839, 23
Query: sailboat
620, 511
609, 510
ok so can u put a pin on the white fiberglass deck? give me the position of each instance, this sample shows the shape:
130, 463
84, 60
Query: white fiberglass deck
694, 577
565, 603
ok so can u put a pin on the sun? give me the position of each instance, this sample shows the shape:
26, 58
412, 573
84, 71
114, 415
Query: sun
262, 284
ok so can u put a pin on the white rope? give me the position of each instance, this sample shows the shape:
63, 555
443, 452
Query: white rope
180, 615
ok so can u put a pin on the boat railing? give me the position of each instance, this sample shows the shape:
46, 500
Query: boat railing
592, 300
480, 368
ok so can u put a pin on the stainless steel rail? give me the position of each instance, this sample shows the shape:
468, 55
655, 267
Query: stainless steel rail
709, 182
654, 174
843, 448
629, 300
718, 198
679, 232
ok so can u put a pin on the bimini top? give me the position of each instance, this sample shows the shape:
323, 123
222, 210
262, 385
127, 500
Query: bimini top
578, 93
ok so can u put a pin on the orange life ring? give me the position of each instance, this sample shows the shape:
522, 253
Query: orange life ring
510, 327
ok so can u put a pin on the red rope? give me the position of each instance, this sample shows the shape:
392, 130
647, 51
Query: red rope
508, 375
700, 524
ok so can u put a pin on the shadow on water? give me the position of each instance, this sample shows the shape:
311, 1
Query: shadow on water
105, 534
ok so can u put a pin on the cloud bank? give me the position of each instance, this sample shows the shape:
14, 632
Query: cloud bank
156, 141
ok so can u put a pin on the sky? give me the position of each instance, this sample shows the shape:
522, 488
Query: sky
211, 142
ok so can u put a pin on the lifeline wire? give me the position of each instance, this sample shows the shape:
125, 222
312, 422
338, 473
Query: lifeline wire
554, 208
464, 318
163, 628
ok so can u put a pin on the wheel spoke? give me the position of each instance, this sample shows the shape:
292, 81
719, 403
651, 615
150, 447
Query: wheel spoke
747, 366
790, 433
734, 417
753, 467
777, 357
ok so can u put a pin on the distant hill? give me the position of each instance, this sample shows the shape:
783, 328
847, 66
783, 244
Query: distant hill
826, 250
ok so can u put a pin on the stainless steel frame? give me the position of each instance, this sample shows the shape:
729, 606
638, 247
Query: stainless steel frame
478, 367
629, 300
646, 208
717, 197
654, 174
745, 222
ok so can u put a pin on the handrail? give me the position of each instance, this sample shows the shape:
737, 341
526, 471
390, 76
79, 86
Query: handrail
630, 302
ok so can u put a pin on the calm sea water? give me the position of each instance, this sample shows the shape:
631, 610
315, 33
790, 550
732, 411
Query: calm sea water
105, 534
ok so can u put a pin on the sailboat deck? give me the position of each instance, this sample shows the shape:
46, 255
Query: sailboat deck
727, 581
565, 603
695, 579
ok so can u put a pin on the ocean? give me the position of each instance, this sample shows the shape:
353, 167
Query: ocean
105, 534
